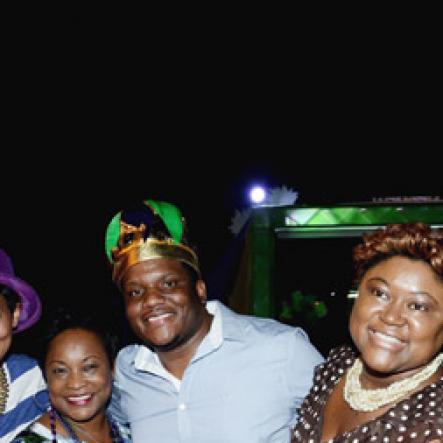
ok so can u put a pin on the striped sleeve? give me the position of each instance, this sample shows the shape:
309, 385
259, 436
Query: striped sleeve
27, 399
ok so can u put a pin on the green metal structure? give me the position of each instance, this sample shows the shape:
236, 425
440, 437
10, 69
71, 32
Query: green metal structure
254, 289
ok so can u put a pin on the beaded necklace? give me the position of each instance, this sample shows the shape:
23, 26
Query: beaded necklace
367, 400
4, 389
53, 414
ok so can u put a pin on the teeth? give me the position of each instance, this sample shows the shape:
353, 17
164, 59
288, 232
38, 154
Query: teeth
158, 317
387, 338
80, 398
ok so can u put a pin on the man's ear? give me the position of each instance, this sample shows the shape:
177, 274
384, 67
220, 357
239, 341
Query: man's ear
16, 315
200, 287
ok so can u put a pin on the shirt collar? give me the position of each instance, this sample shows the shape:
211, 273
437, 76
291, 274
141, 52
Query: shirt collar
215, 334
231, 327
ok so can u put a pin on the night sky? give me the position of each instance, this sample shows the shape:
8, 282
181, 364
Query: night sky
89, 128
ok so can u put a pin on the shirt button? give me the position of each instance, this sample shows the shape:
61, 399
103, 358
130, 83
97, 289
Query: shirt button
182, 406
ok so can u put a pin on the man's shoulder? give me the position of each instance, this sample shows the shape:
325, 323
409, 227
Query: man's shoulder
261, 326
127, 354
271, 339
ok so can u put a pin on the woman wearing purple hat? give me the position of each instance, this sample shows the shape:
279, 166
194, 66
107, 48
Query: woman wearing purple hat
23, 395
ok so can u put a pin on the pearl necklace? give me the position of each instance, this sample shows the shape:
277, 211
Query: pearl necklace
4, 389
366, 400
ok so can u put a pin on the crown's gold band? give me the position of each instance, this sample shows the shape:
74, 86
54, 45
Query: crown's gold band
145, 250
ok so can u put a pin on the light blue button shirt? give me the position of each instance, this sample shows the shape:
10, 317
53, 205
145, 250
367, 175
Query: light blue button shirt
244, 384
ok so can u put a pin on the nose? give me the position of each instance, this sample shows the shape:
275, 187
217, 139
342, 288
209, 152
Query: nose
75, 380
152, 296
392, 313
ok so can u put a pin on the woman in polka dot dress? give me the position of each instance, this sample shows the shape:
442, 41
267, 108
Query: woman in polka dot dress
393, 391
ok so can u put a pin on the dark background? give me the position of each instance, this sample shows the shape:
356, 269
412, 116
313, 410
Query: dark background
54, 215
92, 124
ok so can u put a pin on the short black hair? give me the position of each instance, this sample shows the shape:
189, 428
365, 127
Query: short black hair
70, 319
11, 297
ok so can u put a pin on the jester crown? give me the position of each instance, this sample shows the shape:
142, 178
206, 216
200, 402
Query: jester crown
153, 230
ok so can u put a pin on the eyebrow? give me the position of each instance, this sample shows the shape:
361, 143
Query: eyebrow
83, 360
61, 362
91, 356
160, 277
379, 279
426, 294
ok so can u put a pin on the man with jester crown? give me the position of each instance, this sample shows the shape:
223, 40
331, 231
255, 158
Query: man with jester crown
201, 372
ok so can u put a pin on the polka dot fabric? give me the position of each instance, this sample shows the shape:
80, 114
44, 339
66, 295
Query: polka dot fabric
417, 419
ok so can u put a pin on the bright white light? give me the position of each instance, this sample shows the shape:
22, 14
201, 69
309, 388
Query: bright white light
353, 293
257, 194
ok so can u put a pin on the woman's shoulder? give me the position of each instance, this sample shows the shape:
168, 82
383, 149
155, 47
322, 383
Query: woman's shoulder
335, 366
342, 353
30, 437
36, 433
125, 433
338, 360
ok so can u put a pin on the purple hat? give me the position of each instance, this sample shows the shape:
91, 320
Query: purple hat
31, 307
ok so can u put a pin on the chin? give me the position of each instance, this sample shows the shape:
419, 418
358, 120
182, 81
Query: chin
381, 368
167, 345
156, 342
83, 413
83, 416
155, 337
382, 362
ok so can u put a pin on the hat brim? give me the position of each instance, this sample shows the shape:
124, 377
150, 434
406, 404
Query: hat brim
31, 307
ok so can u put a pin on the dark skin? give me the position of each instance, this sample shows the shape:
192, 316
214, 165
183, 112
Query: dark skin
166, 309
8, 321
397, 325
79, 382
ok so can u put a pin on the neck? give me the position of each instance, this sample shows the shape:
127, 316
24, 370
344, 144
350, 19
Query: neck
98, 425
176, 360
96, 430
